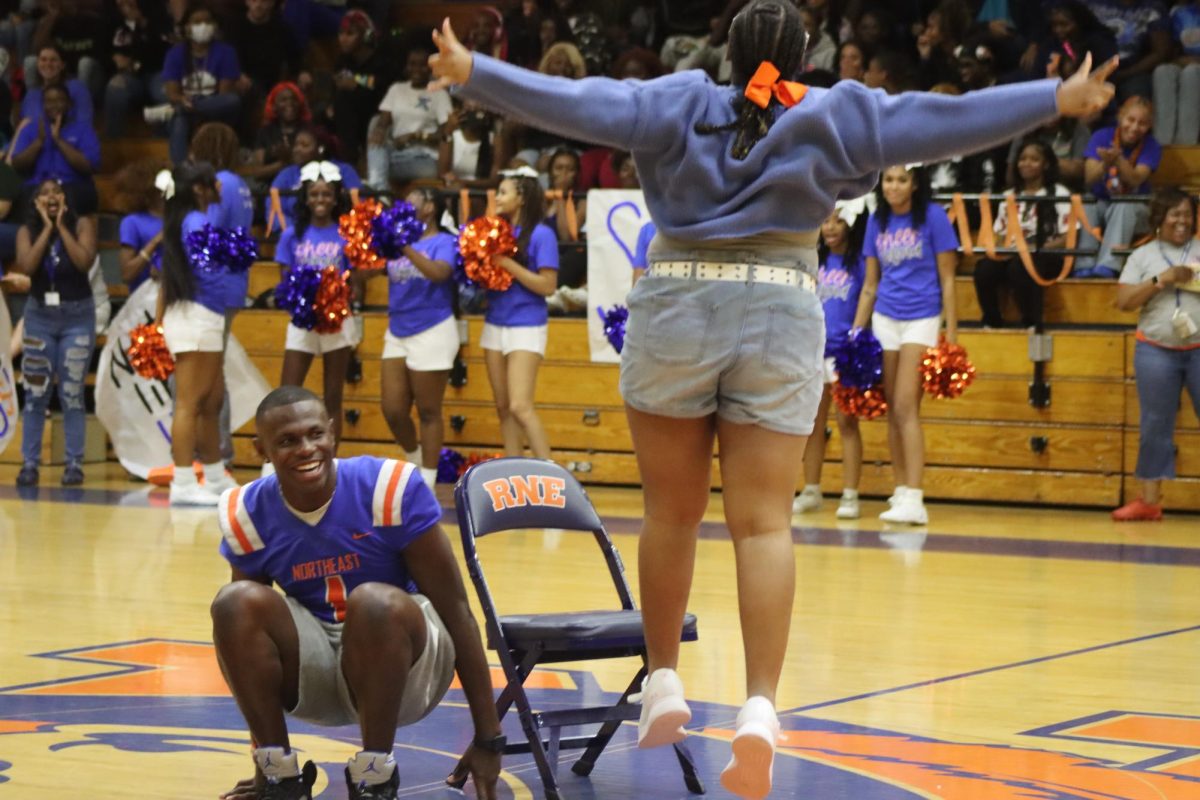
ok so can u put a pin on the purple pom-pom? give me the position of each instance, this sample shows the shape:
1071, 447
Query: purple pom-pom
206, 249
296, 294
241, 250
859, 360
396, 228
614, 325
450, 463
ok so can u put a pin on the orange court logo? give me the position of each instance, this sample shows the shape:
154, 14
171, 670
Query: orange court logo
532, 490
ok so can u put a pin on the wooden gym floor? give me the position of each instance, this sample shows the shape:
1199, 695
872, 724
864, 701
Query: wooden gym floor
998, 653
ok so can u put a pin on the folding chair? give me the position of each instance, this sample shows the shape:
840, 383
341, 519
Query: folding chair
521, 493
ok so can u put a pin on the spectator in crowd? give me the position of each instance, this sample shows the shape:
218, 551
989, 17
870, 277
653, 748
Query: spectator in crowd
486, 34
564, 180
876, 30
912, 255
1042, 223
1119, 161
199, 78
1143, 36
1072, 32
465, 154
140, 42
515, 327
527, 145
531, 28
1068, 139
306, 147
595, 168
57, 146
821, 48
421, 341
56, 248
409, 128
266, 51
361, 76
320, 19
80, 34
1160, 282
51, 70
1177, 83
587, 32
977, 172
17, 26
850, 64
191, 311
839, 284
10, 195
284, 114
937, 44
140, 231
890, 70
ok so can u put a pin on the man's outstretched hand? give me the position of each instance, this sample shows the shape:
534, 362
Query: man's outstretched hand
452, 62
481, 766
1086, 92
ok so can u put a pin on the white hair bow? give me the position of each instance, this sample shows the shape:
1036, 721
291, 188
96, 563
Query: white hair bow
320, 170
850, 210
520, 172
164, 181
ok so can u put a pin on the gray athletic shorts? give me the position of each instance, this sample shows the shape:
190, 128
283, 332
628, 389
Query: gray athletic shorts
324, 694
751, 352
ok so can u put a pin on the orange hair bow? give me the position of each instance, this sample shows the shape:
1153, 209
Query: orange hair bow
766, 84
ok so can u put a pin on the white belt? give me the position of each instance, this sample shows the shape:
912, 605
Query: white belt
739, 273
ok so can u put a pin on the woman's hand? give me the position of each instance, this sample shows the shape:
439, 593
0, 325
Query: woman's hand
62, 210
56, 127
40, 205
452, 63
1175, 276
1087, 92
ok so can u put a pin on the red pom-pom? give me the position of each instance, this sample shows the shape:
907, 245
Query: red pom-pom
148, 353
332, 302
482, 241
355, 228
946, 372
473, 459
861, 403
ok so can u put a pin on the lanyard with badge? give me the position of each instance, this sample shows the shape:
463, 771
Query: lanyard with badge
53, 261
1181, 321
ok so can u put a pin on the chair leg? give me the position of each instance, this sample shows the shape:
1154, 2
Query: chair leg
690, 777
587, 761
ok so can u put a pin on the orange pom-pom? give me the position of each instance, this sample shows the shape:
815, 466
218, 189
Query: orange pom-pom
481, 243
861, 403
148, 353
946, 372
473, 459
332, 302
355, 228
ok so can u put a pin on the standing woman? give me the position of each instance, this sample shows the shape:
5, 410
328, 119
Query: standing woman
315, 243
515, 326
422, 337
912, 253
1167, 356
56, 248
725, 335
191, 310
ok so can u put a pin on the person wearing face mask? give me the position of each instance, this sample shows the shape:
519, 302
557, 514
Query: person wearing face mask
57, 146
411, 122
1119, 160
199, 78
306, 147
1160, 282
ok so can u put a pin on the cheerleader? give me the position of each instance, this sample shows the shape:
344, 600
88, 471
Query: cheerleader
315, 243
421, 342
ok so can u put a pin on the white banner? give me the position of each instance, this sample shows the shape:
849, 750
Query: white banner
615, 217
8, 386
136, 411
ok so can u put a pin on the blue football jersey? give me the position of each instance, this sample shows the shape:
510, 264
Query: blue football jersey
378, 508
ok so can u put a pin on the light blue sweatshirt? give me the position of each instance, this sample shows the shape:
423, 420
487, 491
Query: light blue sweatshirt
832, 145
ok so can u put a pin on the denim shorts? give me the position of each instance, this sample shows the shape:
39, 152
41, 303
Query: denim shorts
751, 352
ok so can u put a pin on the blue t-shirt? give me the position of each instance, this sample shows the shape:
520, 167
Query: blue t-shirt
838, 286
235, 209
516, 306
1150, 156
641, 254
51, 163
288, 179
316, 249
416, 303
201, 77
210, 285
909, 287
81, 101
1130, 24
1185, 25
136, 231
378, 509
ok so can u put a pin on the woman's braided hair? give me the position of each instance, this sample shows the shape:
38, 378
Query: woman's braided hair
765, 30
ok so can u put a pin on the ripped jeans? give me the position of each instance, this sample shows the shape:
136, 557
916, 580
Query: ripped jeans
58, 344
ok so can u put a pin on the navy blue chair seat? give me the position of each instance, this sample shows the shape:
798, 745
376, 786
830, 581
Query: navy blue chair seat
582, 631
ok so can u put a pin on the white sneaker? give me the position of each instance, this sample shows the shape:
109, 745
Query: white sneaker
664, 711
808, 500
751, 768
908, 510
157, 115
848, 508
218, 487
193, 495
897, 493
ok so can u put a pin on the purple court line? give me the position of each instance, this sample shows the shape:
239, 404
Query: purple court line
986, 670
